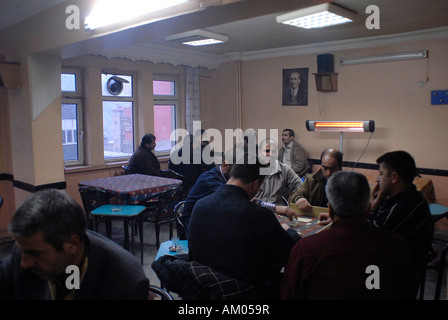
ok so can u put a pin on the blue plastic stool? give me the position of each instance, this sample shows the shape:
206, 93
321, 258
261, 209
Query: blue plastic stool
438, 211
130, 215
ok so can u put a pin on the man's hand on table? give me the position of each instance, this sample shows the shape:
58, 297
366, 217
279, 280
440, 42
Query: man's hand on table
285, 211
303, 204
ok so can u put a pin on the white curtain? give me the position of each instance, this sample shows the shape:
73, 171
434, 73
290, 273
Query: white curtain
193, 111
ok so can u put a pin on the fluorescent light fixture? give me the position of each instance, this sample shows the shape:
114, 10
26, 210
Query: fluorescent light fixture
341, 126
106, 12
422, 54
198, 37
320, 16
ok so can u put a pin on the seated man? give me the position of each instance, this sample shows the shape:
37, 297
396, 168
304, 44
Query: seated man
143, 160
312, 191
281, 180
293, 154
50, 233
183, 161
233, 235
207, 183
399, 207
350, 260
396, 205
210, 181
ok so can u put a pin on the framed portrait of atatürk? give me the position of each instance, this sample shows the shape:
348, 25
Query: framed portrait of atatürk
295, 87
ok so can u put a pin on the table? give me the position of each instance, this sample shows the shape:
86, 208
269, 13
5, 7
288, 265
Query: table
130, 214
304, 229
164, 249
132, 188
304, 225
424, 185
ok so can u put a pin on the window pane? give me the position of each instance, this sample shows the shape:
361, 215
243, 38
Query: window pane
68, 82
164, 88
69, 127
164, 123
118, 131
116, 85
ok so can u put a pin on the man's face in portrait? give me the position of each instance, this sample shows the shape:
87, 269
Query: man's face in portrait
294, 80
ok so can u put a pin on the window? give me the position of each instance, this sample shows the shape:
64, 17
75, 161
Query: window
118, 114
165, 112
71, 114
164, 124
68, 82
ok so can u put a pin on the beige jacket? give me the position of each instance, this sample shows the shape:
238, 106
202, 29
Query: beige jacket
299, 159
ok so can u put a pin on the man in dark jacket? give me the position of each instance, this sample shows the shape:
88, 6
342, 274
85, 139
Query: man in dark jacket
56, 258
183, 161
312, 191
399, 207
210, 181
235, 236
144, 161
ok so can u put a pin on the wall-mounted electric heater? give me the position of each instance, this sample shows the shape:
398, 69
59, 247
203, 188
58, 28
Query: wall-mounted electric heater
341, 126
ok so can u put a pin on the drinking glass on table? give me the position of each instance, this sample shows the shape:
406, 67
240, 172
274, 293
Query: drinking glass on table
175, 243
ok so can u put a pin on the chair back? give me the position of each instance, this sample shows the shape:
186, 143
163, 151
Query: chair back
310, 163
168, 173
126, 169
93, 198
162, 293
167, 201
186, 182
178, 210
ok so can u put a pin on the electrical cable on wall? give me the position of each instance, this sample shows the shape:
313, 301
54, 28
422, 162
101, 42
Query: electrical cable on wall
321, 106
368, 141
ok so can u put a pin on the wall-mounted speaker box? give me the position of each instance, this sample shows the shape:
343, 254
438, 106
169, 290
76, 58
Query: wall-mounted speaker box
326, 81
325, 63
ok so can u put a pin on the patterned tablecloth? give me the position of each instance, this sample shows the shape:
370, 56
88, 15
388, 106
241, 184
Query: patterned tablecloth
132, 188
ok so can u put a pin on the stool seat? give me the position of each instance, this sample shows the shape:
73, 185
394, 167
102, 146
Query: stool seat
438, 211
130, 214
119, 210
164, 249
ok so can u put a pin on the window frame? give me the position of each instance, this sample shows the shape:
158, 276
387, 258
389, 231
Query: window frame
131, 99
69, 97
168, 100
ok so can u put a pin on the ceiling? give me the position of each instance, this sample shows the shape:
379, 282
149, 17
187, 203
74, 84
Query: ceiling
13, 11
250, 25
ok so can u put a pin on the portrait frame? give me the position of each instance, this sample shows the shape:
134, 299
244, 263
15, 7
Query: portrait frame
301, 96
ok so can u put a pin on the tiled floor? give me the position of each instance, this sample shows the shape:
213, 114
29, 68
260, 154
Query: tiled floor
150, 252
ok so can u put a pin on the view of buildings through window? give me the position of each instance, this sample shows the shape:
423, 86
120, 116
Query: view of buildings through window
165, 97
118, 129
70, 118
70, 131
118, 116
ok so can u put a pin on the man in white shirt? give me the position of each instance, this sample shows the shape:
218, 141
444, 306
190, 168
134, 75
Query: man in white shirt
293, 154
